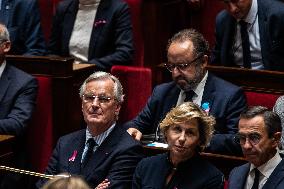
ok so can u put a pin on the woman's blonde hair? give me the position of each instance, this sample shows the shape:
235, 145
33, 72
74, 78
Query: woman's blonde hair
186, 112
66, 182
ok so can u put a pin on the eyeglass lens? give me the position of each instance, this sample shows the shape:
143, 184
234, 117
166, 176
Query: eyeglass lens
253, 138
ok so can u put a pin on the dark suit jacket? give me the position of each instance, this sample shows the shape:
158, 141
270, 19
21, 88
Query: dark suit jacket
238, 177
115, 159
111, 42
195, 173
226, 101
271, 31
18, 92
22, 18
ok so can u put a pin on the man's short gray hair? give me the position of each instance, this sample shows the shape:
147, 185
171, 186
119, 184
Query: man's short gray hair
4, 33
118, 89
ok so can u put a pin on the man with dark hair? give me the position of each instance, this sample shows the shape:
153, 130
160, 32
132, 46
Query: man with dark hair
187, 59
250, 34
259, 136
103, 150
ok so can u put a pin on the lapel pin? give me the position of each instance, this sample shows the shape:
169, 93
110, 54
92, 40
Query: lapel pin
73, 157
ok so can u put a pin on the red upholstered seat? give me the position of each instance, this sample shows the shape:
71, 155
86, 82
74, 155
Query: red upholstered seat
137, 86
262, 99
39, 141
137, 81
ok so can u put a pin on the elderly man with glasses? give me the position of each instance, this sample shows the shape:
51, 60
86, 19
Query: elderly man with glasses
103, 150
259, 136
187, 60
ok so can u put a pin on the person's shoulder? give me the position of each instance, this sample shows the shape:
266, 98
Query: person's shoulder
65, 3
271, 4
24, 3
222, 84
153, 160
206, 166
19, 75
273, 8
165, 86
73, 135
239, 170
223, 15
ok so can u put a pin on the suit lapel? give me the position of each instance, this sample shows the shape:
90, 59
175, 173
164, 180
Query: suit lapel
102, 152
229, 35
263, 34
77, 148
5, 81
69, 21
170, 100
209, 91
276, 177
101, 15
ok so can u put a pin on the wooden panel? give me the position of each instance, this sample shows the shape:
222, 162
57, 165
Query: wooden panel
252, 80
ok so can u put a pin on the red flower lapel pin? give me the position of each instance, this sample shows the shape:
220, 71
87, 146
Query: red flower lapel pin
73, 157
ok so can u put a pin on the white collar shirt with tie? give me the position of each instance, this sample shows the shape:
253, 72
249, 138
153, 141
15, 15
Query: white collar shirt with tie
197, 98
265, 171
98, 139
254, 40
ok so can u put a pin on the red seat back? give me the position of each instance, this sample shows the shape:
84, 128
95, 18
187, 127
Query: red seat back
39, 141
261, 99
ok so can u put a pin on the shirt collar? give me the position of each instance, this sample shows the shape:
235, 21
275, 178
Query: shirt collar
199, 88
267, 168
201, 85
2, 67
101, 137
252, 14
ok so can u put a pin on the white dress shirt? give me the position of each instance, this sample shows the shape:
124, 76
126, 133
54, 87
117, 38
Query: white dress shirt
197, 98
2, 67
254, 40
82, 30
98, 139
265, 171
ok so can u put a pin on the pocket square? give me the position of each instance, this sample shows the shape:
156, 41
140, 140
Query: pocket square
99, 23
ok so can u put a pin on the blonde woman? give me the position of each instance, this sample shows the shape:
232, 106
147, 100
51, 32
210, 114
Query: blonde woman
187, 130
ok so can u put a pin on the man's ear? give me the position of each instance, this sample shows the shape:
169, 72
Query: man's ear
276, 138
6, 46
205, 61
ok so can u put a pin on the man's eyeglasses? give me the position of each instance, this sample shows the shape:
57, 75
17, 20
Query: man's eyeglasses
89, 98
182, 67
253, 138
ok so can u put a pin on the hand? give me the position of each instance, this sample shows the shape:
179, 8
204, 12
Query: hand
135, 133
103, 185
